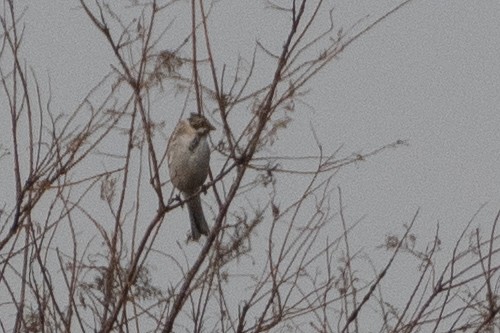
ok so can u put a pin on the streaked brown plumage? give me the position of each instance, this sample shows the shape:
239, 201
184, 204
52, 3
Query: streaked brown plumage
188, 157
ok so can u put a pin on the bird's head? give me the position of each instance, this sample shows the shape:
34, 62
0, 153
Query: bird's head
200, 123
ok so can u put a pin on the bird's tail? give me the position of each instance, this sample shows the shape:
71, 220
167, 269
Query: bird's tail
199, 225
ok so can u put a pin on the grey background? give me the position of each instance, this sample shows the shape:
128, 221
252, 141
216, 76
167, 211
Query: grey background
429, 74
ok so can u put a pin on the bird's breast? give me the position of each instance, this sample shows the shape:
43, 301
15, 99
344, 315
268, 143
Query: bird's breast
188, 164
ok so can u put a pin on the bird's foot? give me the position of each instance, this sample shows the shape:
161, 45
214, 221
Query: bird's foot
174, 199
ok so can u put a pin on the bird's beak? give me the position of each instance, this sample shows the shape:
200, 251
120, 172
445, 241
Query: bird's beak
211, 127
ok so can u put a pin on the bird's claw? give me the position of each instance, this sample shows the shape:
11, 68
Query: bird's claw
175, 198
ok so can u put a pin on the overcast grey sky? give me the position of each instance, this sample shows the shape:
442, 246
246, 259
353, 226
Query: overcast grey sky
429, 74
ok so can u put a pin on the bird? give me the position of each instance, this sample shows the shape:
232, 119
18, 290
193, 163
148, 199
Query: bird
188, 156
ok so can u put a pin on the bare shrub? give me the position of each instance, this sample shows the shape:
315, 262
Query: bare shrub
89, 239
